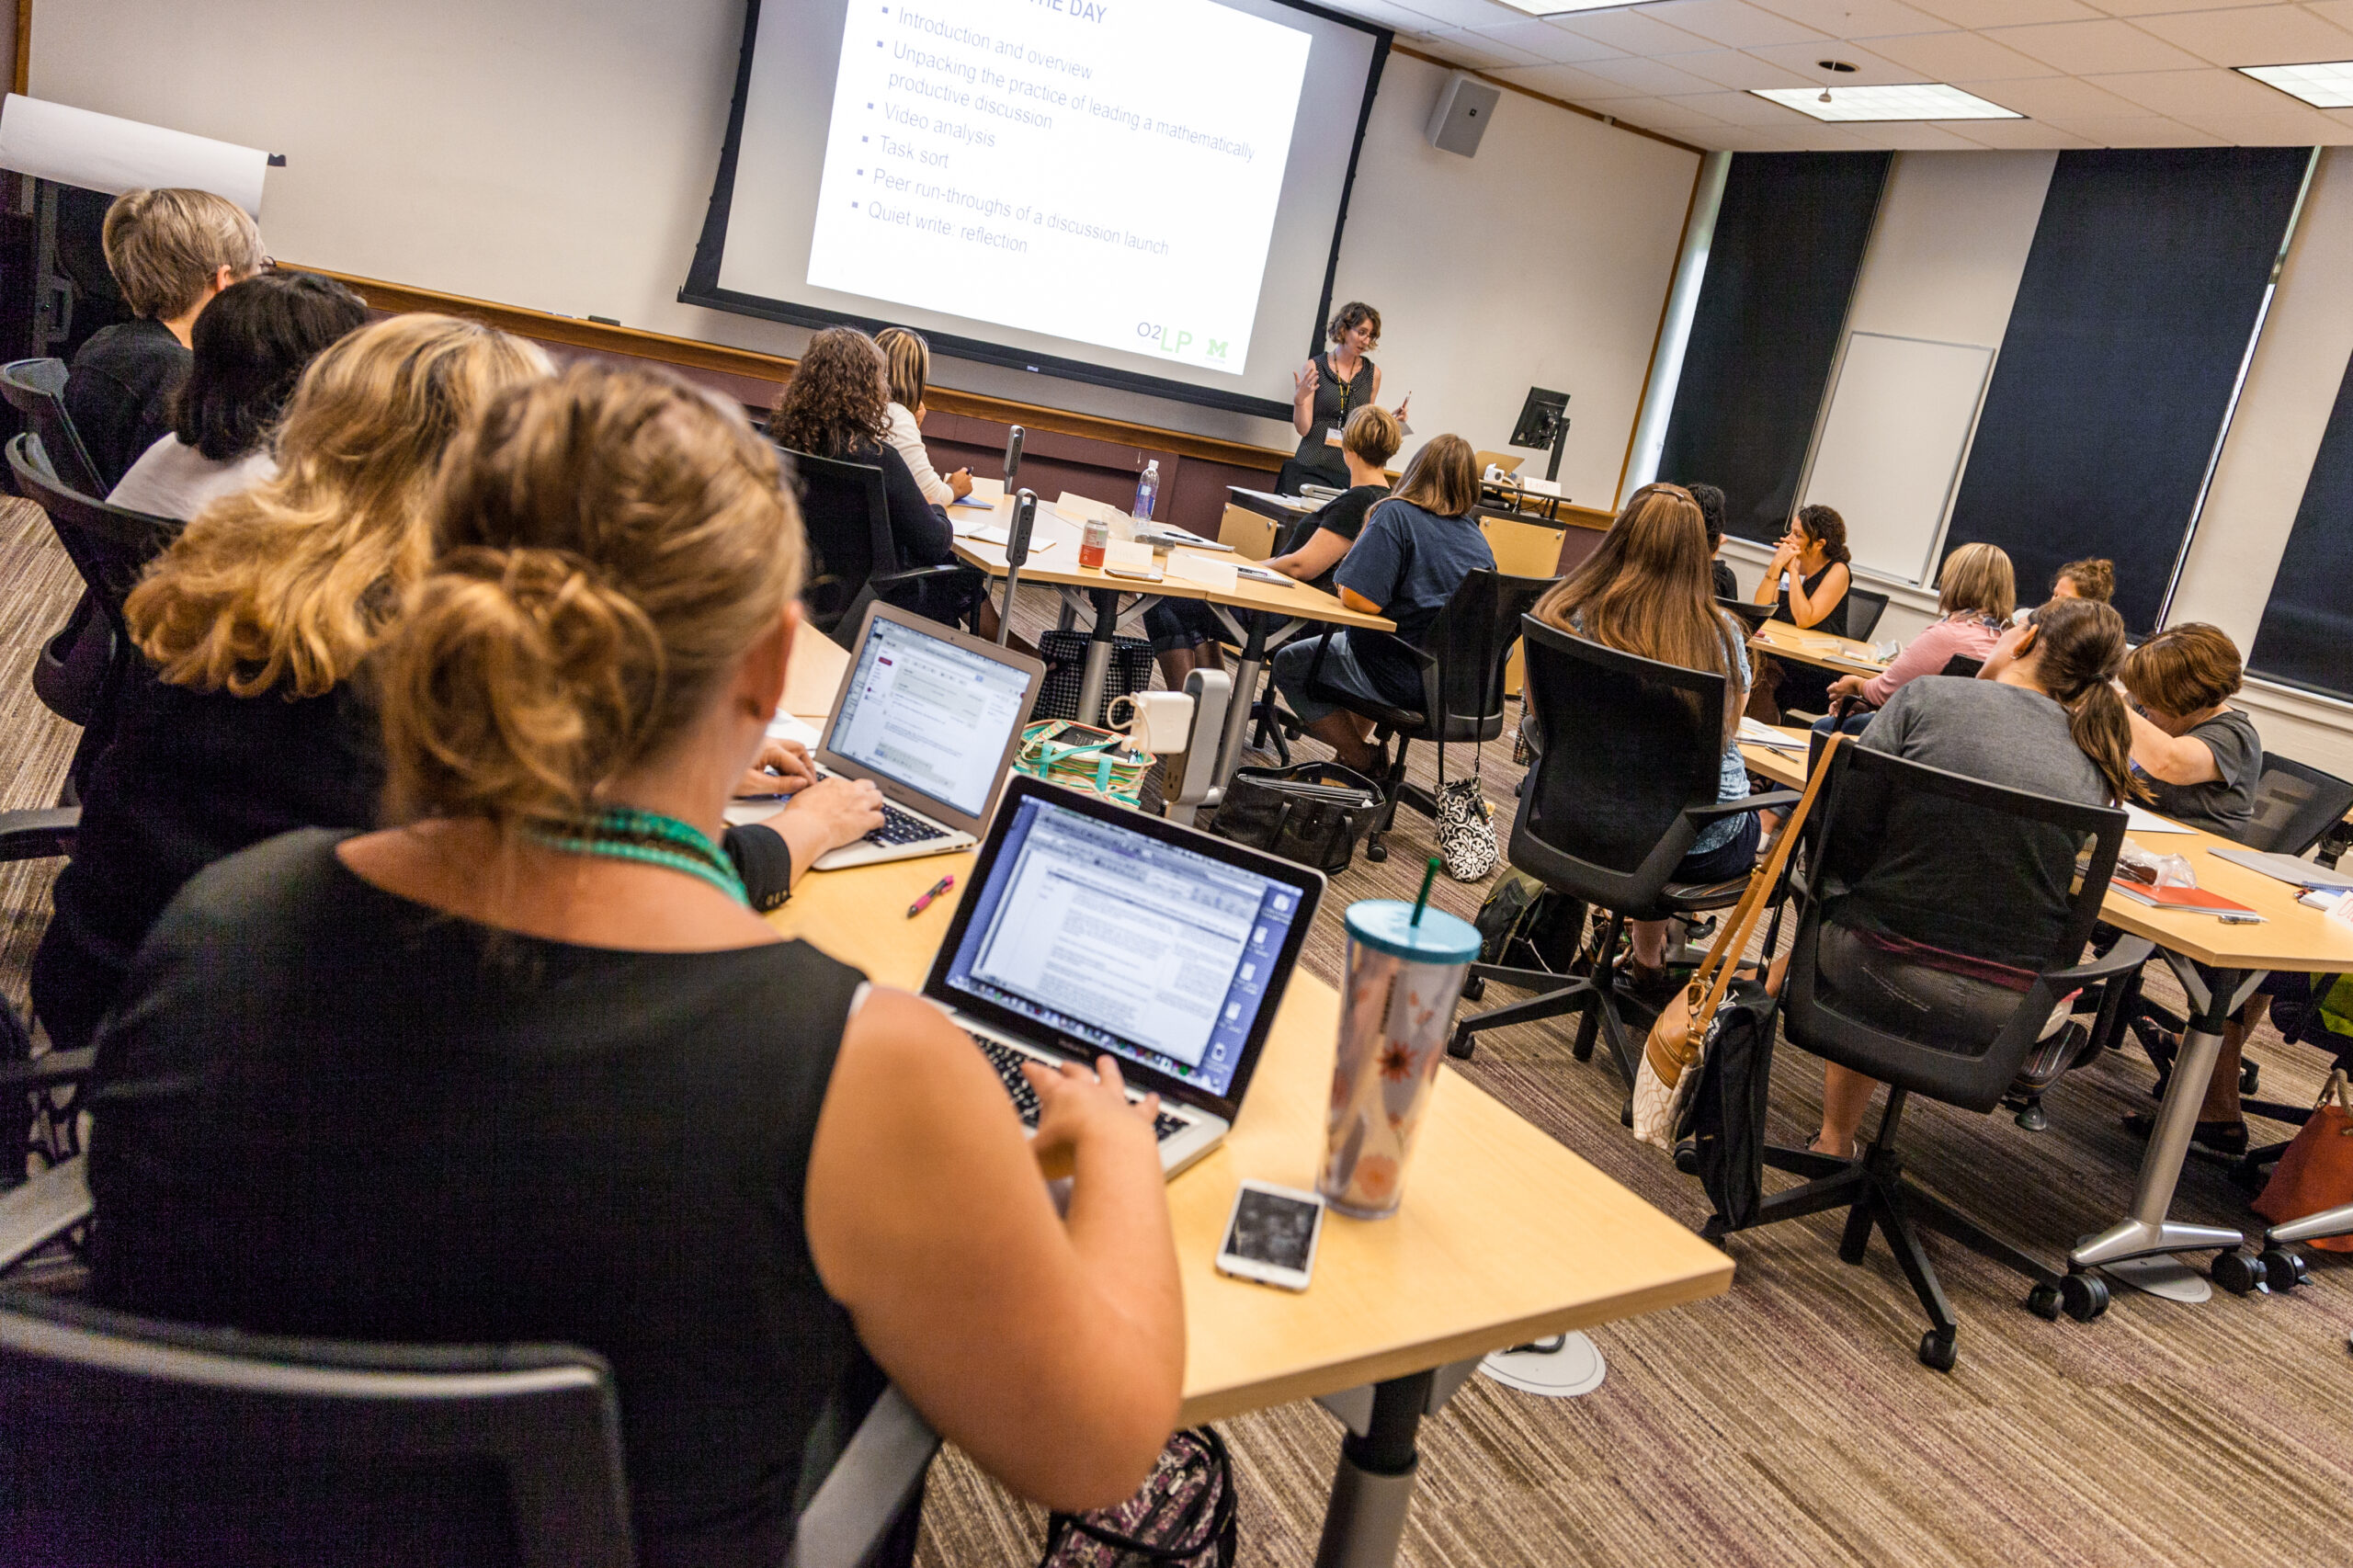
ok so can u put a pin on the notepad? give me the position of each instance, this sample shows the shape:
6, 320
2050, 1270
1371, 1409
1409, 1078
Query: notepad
2188, 900
1215, 575
1126, 555
1755, 734
2139, 820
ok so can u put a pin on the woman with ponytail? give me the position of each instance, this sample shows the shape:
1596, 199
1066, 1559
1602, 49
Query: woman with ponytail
2041, 716
525, 1066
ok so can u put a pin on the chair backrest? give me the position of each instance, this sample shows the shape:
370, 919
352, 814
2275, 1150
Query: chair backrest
1626, 745
1863, 610
1471, 639
1752, 614
110, 546
2295, 805
1932, 905
35, 389
1963, 665
132, 1440
845, 513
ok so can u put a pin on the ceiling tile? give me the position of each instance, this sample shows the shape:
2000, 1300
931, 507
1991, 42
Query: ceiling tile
1960, 57
2193, 94
2289, 128
2082, 48
1737, 139
2270, 35
1650, 76
1732, 23
1566, 81
2153, 7
1676, 115
2056, 97
1464, 13
1730, 68
1467, 48
2006, 13
1546, 42
1388, 16
2338, 13
1856, 18
2018, 134
1635, 33
1912, 137
2139, 130
1871, 69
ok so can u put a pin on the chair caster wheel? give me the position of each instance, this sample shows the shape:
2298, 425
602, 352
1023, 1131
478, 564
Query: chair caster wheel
1460, 1046
2250, 1074
2032, 1118
1375, 851
1474, 989
2238, 1274
2083, 1296
1937, 1350
2282, 1269
2043, 1302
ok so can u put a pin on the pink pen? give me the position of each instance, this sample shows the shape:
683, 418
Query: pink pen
919, 905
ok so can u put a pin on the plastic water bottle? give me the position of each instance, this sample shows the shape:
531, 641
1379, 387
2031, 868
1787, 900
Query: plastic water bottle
1147, 490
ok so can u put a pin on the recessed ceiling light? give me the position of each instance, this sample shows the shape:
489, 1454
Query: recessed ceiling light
2328, 85
1917, 100
1567, 7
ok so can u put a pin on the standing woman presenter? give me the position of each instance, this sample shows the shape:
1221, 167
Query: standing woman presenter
1325, 391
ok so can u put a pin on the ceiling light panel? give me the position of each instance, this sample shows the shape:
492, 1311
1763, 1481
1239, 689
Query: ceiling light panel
1919, 100
2325, 86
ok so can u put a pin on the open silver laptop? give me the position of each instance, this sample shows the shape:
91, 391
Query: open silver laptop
933, 716
1090, 928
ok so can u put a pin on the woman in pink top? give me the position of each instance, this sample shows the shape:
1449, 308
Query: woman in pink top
1976, 595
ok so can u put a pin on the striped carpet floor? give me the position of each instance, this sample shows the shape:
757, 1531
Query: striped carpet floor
1785, 1423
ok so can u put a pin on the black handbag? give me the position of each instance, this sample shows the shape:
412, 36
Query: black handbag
1723, 1131
1312, 813
1183, 1516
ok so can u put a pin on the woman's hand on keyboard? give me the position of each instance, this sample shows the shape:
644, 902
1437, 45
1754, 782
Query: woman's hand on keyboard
827, 814
782, 768
1078, 1108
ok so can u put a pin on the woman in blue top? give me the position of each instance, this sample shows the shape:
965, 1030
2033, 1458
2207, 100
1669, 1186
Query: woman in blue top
1647, 591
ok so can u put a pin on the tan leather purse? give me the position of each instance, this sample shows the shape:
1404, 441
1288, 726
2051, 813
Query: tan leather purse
1680, 1033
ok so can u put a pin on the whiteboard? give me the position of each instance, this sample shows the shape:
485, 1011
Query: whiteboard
1889, 454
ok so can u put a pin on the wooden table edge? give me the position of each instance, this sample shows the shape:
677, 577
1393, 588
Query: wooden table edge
1218, 1405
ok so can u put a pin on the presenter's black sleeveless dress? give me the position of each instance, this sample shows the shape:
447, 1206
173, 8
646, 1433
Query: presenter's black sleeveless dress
1806, 688
1317, 461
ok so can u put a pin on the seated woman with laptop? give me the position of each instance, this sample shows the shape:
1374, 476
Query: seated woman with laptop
524, 1066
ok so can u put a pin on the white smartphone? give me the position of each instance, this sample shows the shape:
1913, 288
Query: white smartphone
1271, 1235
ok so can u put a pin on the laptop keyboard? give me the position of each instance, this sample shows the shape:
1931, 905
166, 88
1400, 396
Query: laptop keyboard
1007, 1063
902, 827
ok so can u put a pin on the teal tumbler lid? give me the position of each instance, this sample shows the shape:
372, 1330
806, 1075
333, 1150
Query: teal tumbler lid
1385, 924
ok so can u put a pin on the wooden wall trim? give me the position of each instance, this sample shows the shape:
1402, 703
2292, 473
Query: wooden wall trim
772, 369
1610, 119
24, 75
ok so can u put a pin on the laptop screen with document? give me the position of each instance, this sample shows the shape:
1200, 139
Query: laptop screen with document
1115, 932
928, 714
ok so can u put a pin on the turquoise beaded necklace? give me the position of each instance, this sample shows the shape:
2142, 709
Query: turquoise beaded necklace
624, 833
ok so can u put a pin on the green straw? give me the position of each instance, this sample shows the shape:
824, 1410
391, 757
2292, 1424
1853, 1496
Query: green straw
1423, 901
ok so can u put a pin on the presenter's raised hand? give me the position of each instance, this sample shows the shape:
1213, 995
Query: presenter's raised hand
1304, 381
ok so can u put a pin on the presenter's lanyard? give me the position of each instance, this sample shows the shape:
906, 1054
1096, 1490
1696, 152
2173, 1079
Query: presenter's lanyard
623, 833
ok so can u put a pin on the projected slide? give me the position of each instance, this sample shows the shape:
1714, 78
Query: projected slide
1105, 171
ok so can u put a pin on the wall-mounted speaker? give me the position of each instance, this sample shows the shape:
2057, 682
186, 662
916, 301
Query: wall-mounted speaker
1464, 107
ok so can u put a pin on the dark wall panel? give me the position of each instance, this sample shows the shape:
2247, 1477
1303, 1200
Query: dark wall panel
1788, 243
2306, 638
2147, 270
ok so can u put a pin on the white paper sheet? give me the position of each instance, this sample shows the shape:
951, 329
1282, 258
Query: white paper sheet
2139, 820
1128, 554
1218, 576
787, 727
99, 152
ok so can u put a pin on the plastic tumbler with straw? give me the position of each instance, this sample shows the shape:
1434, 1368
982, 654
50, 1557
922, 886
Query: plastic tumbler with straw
1405, 967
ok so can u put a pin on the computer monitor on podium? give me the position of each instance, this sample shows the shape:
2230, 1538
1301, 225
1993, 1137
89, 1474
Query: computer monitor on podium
1543, 424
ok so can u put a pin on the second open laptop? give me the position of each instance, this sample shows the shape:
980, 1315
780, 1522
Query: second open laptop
933, 716
1089, 928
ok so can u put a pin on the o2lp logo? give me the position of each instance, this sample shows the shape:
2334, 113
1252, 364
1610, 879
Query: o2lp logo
1174, 341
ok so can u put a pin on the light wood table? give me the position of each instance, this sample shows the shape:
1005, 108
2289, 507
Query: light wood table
1821, 649
2236, 959
1505, 1234
812, 675
1278, 610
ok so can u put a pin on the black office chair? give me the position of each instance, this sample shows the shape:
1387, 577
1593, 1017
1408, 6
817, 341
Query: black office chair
1752, 614
110, 547
1628, 761
35, 389
135, 1440
1855, 976
1863, 610
1462, 660
853, 557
